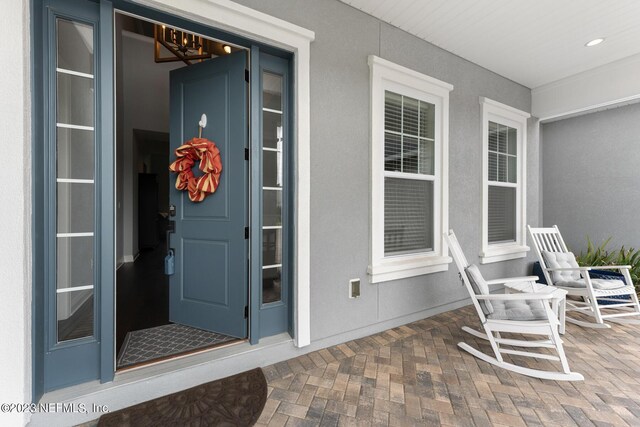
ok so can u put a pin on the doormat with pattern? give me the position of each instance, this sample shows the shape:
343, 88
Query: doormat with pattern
233, 401
166, 340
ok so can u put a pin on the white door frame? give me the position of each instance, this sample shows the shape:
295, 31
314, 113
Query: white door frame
234, 18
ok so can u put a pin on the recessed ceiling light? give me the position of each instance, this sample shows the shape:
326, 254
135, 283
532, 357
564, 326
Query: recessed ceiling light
594, 42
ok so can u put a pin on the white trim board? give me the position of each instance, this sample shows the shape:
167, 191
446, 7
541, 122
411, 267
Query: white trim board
385, 75
592, 90
241, 20
506, 115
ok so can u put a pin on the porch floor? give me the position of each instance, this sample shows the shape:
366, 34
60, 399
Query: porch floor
416, 375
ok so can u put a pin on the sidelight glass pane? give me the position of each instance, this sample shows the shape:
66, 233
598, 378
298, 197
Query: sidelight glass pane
271, 246
75, 46
75, 314
272, 91
270, 123
272, 207
75, 154
75, 207
408, 216
271, 285
502, 214
75, 100
75, 189
271, 168
74, 262
272, 177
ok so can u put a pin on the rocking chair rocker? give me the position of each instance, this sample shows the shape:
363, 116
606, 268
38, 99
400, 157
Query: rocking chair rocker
520, 313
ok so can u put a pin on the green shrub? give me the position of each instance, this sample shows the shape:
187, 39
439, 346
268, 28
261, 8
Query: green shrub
599, 255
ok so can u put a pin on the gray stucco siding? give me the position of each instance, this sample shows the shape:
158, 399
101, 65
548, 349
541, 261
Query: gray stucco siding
591, 178
340, 163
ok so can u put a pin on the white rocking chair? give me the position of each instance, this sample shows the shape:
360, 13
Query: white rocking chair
561, 270
520, 313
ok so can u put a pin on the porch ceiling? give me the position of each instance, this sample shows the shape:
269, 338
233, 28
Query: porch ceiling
530, 42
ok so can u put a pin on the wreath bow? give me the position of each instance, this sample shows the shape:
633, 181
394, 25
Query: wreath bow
210, 164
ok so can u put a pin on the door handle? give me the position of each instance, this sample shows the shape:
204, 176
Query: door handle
171, 228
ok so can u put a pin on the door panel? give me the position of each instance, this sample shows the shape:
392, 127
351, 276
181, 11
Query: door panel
209, 287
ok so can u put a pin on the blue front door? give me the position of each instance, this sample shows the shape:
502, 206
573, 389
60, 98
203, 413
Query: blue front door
210, 285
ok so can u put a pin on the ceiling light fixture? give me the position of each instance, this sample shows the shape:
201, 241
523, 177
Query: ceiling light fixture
185, 47
226, 48
594, 42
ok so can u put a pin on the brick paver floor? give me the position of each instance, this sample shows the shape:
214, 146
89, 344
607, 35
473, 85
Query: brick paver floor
416, 375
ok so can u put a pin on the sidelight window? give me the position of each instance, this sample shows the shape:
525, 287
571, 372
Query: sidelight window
75, 179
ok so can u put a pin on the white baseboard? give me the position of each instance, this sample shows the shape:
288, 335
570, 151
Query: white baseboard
130, 258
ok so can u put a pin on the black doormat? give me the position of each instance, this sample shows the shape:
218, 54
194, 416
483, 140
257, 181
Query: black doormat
233, 401
166, 340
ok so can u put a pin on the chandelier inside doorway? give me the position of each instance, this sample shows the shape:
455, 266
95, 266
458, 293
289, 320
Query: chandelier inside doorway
184, 46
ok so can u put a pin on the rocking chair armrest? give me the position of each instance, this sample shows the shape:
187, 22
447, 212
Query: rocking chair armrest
570, 268
513, 280
517, 296
610, 267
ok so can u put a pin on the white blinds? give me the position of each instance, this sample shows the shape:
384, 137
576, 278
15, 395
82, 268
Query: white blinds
502, 176
409, 126
408, 216
503, 143
502, 214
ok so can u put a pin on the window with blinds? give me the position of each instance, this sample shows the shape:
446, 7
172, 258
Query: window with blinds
503, 183
409, 128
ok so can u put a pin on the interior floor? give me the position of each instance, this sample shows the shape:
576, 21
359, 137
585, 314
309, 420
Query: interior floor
142, 294
79, 324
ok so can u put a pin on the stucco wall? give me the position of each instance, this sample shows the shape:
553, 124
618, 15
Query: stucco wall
15, 190
592, 177
340, 166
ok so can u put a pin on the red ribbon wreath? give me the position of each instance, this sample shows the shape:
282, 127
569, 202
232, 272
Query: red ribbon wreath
210, 164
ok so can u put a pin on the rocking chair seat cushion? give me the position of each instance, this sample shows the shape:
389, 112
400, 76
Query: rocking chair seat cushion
601, 284
518, 310
480, 287
562, 260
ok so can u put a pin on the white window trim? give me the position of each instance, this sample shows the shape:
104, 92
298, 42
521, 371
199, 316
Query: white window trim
385, 75
244, 21
500, 113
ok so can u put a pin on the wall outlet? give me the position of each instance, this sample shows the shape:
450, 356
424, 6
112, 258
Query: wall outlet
354, 288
